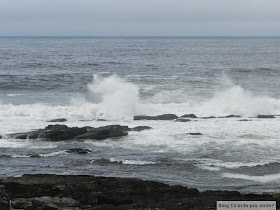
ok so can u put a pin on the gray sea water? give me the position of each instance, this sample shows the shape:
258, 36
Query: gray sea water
85, 79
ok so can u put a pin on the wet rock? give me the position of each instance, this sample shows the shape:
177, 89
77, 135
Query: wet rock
195, 134
189, 116
158, 117
78, 151
4, 199
62, 132
58, 120
43, 191
140, 128
210, 117
182, 120
35, 156
265, 116
101, 120
110, 131
230, 116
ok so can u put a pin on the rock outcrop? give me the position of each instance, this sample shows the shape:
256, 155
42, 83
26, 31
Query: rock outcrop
43, 191
63, 132
158, 117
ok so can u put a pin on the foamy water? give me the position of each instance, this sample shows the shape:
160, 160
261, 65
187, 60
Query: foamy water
232, 153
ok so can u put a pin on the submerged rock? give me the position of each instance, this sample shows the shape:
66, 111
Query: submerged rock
182, 120
158, 117
265, 116
195, 134
231, 116
58, 120
78, 151
140, 128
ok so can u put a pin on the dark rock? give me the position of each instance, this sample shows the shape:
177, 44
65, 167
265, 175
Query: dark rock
78, 151
35, 156
109, 131
244, 120
4, 199
210, 117
182, 120
189, 116
265, 116
101, 120
230, 116
22, 203
140, 128
195, 134
0, 137
58, 120
158, 117
62, 132
43, 191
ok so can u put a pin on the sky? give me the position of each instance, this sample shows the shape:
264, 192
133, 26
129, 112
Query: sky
139, 17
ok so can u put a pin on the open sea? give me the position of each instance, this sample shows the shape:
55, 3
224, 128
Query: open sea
86, 79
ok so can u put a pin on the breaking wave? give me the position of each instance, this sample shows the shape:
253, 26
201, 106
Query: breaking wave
119, 99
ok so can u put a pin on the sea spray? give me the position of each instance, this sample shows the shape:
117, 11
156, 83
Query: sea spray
119, 98
236, 100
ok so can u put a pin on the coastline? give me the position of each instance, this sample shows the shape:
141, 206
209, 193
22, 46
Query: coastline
50, 191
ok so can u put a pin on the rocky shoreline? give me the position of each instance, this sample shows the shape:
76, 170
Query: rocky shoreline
74, 192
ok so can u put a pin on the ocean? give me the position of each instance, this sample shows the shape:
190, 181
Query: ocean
85, 79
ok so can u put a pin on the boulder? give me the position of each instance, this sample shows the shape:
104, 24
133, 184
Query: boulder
158, 117
189, 116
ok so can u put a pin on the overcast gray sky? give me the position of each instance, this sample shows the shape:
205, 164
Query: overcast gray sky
140, 17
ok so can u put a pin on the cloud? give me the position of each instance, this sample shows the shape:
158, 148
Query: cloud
135, 17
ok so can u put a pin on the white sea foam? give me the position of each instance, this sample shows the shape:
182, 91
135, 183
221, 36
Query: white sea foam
15, 94
216, 165
119, 99
263, 179
236, 100
133, 162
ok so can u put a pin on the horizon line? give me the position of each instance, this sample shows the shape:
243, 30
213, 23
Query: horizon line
130, 36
